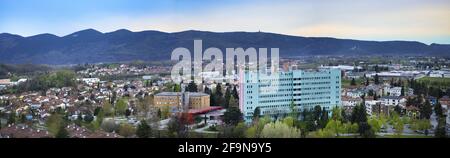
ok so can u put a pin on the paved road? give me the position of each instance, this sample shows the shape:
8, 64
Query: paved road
203, 130
163, 124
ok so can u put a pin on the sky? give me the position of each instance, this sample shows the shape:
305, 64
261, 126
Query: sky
381, 20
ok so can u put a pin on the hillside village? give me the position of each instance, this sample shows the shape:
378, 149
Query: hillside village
125, 100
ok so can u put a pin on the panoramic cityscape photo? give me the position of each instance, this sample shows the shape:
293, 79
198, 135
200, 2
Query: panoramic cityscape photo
225, 69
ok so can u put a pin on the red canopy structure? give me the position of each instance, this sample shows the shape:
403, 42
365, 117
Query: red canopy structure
204, 110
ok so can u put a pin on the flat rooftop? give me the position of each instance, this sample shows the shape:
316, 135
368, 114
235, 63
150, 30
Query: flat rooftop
194, 94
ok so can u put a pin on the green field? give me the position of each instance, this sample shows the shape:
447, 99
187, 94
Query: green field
346, 82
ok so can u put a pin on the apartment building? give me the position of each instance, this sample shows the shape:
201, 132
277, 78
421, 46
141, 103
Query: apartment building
274, 94
176, 100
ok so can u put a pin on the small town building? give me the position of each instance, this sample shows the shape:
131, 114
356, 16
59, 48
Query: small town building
192, 100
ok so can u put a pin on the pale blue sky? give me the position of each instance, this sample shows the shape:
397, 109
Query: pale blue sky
425, 21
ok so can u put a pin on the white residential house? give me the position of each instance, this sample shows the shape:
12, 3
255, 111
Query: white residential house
350, 101
393, 100
369, 104
355, 93
395, 91
90, 81
378, 89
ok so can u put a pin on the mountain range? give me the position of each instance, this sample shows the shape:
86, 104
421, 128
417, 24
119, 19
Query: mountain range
92, 46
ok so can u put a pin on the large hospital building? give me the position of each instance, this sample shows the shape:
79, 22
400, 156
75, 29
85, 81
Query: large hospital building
274, 94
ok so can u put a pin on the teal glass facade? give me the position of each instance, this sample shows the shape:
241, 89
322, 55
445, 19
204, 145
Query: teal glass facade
304, 89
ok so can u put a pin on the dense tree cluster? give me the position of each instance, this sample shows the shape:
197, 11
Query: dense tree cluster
178, 126
427, 89
232, 116
6, 70
144, 130
59, 79
378, 69
56, 125
359, 116
192, 87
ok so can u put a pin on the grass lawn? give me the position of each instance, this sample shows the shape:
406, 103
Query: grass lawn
405, 136
378, 136
346, 82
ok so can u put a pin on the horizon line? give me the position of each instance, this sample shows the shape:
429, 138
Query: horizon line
259, 31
